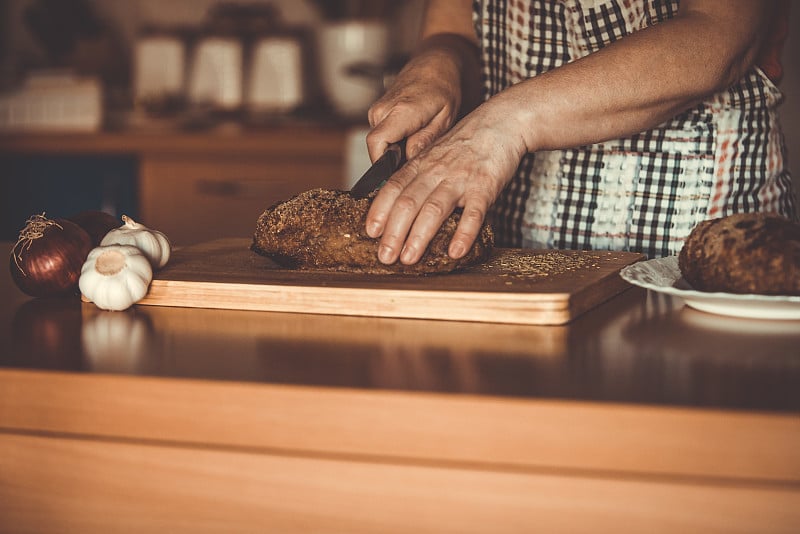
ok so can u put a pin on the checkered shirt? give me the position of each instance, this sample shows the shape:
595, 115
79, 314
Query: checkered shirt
646, 192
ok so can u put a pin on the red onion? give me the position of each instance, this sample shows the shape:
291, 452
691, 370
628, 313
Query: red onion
96, 223
48, 256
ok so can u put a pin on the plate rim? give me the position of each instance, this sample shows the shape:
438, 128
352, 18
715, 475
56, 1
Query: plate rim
780, 302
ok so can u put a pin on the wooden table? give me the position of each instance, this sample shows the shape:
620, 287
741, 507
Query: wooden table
641, 415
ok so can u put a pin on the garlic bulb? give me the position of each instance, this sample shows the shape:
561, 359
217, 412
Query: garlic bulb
115, 277
152, 243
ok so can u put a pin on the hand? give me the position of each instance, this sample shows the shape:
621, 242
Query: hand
421, 105
465, 168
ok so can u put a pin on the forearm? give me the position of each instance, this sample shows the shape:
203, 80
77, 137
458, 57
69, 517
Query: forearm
639, 81
439, 84
452, 52
447, 29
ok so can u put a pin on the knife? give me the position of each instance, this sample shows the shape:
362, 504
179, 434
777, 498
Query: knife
380, 171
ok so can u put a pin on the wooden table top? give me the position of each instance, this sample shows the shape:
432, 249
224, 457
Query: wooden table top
637, 348
655, 402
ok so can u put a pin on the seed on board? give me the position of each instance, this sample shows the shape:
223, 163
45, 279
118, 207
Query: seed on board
523, 265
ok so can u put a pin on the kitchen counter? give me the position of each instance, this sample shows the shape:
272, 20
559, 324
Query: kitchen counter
640, 415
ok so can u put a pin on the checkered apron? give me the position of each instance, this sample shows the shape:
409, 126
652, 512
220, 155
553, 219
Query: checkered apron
646, 192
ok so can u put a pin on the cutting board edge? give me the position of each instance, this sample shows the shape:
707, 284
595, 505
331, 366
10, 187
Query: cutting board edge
554, 305
587, 298
531, 309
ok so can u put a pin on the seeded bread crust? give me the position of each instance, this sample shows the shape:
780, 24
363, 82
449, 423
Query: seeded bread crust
322, 229
755, 253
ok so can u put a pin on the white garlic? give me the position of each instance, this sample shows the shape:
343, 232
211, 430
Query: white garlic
115, 277
152, 243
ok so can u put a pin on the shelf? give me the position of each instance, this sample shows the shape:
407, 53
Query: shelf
293, 140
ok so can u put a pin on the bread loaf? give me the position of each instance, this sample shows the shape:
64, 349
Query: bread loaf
743, 253
325, 230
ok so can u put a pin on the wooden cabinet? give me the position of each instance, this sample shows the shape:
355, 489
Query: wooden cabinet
207, 197
200, 186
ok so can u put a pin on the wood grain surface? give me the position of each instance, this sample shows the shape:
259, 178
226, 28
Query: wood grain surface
91, 486
470, 431
519, 287
103, 453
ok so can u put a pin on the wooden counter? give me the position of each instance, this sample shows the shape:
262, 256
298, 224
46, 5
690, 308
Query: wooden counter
641, 415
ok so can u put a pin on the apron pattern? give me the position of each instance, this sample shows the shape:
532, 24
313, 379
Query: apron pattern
643, 193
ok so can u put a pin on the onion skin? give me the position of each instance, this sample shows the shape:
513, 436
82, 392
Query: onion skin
96, 223
47, 261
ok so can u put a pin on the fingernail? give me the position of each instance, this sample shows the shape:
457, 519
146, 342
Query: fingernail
373, 229
457, 250
385, 254
408, 253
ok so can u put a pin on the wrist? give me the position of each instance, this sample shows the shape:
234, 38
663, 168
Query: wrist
518, 118
463, 55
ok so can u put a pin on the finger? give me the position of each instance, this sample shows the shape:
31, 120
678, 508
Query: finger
381, 133
377, 112
407, 119
383, 202
434, 211
398, 124
426, 136
399, 220
469, 226
378, 140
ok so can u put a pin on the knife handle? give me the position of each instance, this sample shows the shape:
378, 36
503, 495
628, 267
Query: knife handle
397, 152
380, 171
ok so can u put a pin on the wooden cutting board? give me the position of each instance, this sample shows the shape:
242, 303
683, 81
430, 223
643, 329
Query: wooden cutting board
514, 286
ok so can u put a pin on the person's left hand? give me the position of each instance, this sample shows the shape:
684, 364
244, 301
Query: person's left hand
466, 168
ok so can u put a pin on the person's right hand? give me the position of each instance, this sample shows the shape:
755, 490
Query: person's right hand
422, 103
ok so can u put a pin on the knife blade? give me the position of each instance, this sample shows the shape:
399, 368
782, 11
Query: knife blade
380, 171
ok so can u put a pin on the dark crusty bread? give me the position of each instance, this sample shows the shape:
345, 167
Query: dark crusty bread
743, 253
325, 230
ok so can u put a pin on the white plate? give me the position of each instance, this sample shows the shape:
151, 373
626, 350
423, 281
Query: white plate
664, 276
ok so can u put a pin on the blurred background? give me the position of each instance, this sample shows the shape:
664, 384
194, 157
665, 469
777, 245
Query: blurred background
172, 110
206, 110
119, 41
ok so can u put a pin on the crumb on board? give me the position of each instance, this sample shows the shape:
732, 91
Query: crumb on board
521, 264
